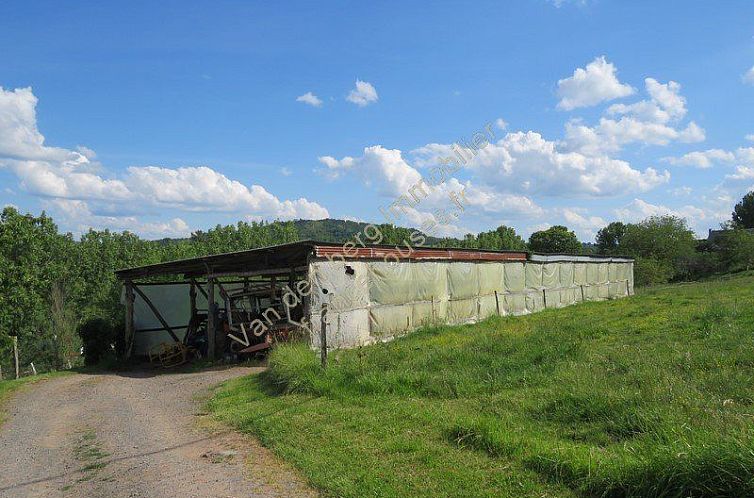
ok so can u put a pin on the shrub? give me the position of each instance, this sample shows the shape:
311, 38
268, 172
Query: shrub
98, 336
649, 271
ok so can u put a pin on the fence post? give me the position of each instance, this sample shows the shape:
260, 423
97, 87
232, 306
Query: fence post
497, 304
15, 355
323, 336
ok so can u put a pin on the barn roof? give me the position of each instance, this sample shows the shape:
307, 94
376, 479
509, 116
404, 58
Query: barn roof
297, 254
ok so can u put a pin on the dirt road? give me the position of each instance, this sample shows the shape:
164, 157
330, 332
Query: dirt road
132, 435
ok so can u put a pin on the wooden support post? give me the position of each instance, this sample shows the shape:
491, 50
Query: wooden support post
201, 289
192, 298
544, 298
211, 319
130, 333
323, 337
15, 356
156, 313
497, 304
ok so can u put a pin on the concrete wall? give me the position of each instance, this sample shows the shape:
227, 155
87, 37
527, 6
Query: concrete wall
377, 301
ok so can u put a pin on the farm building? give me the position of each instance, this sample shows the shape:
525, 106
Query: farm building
367, 293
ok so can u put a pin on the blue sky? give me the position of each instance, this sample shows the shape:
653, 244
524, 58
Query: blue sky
172, 117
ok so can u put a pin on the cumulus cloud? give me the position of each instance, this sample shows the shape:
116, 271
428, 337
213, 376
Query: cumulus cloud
363, 94
75, 175
310, 99
699, 218
665, 103
80, 216
501, 124
652, 121
750, 137
526, 162
592, 85
702, 159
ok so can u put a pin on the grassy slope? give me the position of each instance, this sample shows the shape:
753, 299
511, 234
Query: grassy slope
647, 396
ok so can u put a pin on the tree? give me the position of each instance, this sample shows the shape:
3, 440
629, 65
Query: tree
556, 239
737, 250
743, 213
662, 244
501, 238
608, 238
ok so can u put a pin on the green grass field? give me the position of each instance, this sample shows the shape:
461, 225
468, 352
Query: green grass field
647, 396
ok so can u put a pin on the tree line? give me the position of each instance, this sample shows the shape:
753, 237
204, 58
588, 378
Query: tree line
51, 283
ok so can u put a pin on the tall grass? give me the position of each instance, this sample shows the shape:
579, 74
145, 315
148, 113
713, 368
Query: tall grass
647, 396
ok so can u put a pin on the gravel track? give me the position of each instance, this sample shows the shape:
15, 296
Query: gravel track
134, 435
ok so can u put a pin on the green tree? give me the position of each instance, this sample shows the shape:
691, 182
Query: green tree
743, 212
666, 242
608, 238
556, 239
33, 258
501, 238
737, 250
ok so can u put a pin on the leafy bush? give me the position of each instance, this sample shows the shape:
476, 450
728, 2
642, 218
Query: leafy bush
98, 336
649, 271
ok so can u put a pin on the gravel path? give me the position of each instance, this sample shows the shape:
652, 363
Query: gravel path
132, 435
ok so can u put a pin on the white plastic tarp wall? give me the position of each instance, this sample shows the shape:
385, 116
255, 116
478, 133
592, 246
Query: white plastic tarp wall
376, 301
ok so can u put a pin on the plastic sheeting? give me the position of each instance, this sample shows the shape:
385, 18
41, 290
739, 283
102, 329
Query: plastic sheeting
463, 280
491, 278
346, 290
515, 280
397, 297
533, 273
550, 275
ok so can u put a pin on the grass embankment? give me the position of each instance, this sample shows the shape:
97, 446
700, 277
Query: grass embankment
647, 396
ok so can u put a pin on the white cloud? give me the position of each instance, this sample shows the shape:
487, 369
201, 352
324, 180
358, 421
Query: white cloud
750, 137
665, 104
648, 122
501, 124
525, 162
591, 85
78, 215
698, 218
681, 191
748, 77
702, 159
310, 99
286, 171
363, 94
58, 173
582, 223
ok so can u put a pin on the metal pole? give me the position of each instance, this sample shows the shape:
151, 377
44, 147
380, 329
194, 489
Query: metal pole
323, 336
15, 355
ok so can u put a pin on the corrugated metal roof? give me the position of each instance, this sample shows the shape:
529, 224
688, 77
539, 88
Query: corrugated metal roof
295, 254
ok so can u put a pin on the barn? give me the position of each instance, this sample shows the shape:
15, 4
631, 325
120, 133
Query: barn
348, 295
